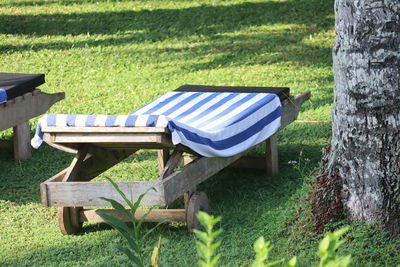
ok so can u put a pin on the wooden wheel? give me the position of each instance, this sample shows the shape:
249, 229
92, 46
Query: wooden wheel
69, 220
197, 202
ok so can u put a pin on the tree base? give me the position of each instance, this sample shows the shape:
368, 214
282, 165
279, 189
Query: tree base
326, 203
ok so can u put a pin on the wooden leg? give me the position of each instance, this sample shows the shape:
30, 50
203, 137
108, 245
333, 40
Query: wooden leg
22, 148
271, 155
163, 156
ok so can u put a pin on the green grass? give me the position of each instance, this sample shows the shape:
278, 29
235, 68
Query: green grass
111, 57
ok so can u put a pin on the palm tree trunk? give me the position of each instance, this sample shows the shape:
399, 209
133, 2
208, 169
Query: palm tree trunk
364, 157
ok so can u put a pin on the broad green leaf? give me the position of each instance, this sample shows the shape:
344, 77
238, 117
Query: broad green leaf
214, 246
202, 250
216, 233
346, 260
291, 263
201, 235
214, 261
340, 232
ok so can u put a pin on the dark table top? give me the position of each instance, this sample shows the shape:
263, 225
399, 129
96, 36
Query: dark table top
282, 92
17, 84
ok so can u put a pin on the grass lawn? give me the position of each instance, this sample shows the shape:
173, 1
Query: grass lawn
111, 57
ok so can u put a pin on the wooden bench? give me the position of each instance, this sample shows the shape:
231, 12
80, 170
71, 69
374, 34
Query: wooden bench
99, 148
16, 114
24, 102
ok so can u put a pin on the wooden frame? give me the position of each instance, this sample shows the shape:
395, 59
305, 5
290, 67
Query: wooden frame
16, 114
98, 149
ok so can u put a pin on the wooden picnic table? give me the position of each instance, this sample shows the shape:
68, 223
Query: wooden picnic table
24, 102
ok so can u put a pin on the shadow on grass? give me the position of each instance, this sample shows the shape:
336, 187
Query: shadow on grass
20, 181
161, 24
54, 2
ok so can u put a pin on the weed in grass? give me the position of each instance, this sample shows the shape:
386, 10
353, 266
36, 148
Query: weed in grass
136, 251
207, 246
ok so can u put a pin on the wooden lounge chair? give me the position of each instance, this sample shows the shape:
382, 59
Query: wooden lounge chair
99, 148
24, 103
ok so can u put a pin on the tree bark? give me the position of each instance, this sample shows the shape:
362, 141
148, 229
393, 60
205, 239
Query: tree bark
365, 146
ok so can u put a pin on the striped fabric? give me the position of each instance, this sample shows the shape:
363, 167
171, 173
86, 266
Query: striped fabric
3, 96
212, 124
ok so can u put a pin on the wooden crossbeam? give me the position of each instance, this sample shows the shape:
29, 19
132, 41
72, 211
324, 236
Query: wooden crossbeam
155, 215
80, 194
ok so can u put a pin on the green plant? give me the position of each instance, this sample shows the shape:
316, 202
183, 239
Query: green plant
262, 250
328, 247
136, 250
206, 246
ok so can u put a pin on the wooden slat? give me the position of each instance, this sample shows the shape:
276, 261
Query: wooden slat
24, 108
107, 138
43, 188
70, 148
61, 129
79, 194
244, 162
155, 215
283, 92
133, 146
193, 174
291, 108
73, 147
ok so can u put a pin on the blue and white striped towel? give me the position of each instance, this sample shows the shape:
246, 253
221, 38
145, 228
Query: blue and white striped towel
212, 124
3, 96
